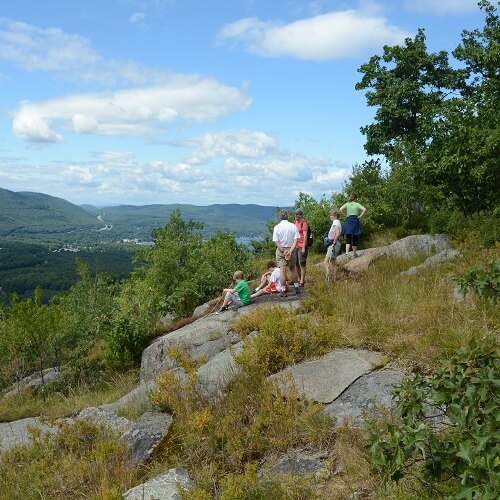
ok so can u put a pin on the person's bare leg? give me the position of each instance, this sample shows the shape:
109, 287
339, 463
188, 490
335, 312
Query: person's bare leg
283, 276
302, 276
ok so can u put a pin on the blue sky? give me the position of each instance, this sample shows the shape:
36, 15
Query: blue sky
180, 101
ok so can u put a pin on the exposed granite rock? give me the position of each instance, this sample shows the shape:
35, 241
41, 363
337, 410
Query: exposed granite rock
137, 396
35, 381
214, 376
107, 418
145, 435
324, 379
299, 462
364, 395
405, 248
17, 433
162, 487
440, 257
205, 337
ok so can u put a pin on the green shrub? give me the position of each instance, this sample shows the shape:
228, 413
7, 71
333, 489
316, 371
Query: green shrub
125, 343
484, 281
462, 452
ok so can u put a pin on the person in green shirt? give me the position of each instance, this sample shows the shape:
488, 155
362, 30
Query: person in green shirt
352, 230
239, 295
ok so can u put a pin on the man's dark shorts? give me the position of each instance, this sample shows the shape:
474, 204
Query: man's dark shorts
302, 257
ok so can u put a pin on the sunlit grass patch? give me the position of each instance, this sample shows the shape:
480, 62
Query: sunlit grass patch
411, 317
82, 460
55, 404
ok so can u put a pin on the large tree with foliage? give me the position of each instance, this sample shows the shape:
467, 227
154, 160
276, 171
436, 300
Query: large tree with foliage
436, 125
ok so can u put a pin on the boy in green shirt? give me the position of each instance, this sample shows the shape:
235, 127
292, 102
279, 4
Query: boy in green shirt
239, 295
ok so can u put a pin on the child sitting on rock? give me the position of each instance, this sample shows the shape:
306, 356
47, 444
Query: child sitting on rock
273, 284
264, 279
239, 295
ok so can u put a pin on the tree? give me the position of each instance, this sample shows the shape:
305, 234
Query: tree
436, 124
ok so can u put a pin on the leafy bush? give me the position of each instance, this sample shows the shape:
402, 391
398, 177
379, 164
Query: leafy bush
448, 426
480, 229
125, 343
484, 281
181, 271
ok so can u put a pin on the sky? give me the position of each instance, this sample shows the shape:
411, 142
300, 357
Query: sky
111, 102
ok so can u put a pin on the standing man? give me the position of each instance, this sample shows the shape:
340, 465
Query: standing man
285, 237
302, 250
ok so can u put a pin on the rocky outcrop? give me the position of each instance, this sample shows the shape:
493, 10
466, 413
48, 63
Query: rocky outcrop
406, 248
365, 397
439, 258
145, 435
35, 381
324, 379
204, 338
299, 462
105, 418
18, 433
162, 487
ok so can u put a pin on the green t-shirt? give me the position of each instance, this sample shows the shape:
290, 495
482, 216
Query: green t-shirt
352, 208
243, 291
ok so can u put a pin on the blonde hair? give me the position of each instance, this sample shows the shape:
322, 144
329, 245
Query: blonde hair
238, 275
335, 212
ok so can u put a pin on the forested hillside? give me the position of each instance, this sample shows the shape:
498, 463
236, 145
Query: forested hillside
139, 221
36, 215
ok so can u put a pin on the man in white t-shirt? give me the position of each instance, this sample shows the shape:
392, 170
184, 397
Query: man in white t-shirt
285, 237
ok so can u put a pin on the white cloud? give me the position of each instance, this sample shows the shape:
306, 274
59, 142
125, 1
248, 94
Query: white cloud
242, 143
68, 56
442, 6
30, 126
77, 175
324, 37
135, 112
257, 169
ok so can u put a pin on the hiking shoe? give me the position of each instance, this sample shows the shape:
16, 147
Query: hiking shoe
297, 290
282, 294
221, 310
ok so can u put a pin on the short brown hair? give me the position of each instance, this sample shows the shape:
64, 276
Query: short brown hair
270, 264
353, 197
238, 275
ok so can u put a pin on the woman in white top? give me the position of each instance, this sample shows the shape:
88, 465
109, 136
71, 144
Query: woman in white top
330, 261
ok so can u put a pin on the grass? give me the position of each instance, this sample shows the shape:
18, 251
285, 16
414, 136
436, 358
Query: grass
226, 444
57, 405
83, 460
413, 319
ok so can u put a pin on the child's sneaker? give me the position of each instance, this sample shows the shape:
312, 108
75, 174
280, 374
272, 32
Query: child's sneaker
297, 290
221, 310
282, 294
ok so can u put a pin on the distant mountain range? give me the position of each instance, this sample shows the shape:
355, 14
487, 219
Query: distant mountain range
36, 216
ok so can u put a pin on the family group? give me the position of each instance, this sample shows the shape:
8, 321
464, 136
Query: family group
291, 240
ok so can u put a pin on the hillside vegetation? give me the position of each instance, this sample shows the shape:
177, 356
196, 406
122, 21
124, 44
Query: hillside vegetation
437, 128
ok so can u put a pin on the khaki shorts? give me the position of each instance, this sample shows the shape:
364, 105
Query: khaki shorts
281, 261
